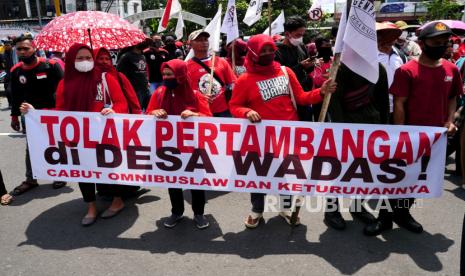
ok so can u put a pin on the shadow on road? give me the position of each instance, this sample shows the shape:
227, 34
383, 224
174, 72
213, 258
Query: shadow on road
41, 192
58, 229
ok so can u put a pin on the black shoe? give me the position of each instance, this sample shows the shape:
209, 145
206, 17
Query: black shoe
408, 222
201, 221
364, 216
58, 184
377, 227
335, 220
172, 220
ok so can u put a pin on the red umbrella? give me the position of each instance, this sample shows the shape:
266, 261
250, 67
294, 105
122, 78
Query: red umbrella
106, 30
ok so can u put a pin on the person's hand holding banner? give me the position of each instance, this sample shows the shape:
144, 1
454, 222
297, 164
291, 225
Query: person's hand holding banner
159, 113
25, 107
188, 113
107, 111
253, 116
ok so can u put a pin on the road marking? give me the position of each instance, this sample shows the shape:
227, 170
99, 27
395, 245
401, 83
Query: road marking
11, 134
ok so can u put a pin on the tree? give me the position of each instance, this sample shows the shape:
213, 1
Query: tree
206, 9
442, 9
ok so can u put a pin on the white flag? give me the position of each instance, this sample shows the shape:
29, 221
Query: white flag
172, 7
357, 41
254, 12
180, 27
277, 26
230, 25
214, 29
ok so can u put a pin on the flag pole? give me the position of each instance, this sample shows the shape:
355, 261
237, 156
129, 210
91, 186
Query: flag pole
270, 11
212, 72
324, 109
333, 72
233, 56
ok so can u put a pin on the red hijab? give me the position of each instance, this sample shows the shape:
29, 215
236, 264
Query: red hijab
255, 46
175, 101
80, 89
110, 69
240, 50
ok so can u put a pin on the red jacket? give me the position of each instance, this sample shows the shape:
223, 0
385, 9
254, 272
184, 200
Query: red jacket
203, 107
269, 96
117, 98
130, 93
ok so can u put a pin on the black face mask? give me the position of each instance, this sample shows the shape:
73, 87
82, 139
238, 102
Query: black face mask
326, 53
266, 60
434, 53
170, 83
28, 60
157, 44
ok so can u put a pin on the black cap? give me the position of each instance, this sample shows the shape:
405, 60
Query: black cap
434, 29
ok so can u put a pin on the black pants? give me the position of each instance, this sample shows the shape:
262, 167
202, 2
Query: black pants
258, 202
2, 185
29, 176
88, 190
400, 208
177, 201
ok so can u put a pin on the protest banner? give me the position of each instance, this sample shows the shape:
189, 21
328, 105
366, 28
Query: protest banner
274, 157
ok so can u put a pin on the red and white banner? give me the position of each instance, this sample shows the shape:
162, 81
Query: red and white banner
221, 154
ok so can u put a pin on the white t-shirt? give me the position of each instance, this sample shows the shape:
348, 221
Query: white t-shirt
391, 63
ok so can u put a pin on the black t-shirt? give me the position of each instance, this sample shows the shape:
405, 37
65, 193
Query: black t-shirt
134, 67
36, 85
154, 60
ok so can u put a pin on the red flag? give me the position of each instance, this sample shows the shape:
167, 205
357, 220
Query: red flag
172, 7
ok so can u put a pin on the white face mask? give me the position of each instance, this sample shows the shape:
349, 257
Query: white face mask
296, 41
455, 47
84, 66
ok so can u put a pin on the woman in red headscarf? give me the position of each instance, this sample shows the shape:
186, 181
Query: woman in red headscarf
264, 92
104, 64
176, 97
240, 51
84, 89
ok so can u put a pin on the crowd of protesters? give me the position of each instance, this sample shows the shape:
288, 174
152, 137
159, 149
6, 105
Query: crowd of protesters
418, 84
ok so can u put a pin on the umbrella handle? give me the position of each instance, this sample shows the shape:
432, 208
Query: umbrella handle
90, 39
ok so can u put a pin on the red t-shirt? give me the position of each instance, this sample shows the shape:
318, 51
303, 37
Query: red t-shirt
116, 97
200, 78
428, 91
320, 74
269, 96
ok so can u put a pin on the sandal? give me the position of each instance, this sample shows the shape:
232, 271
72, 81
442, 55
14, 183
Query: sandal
24, 187
6, 199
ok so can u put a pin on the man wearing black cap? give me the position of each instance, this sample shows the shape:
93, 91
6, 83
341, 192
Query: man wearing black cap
7, 64
425, 93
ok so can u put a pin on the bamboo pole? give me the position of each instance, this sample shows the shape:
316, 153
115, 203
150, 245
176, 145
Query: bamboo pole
270, 11
212, 72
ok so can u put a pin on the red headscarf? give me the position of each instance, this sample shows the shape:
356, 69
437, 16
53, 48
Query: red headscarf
175, 101
80, 89
240, 50
109, 69
255, 46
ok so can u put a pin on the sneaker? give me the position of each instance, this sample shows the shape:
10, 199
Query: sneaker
287, 215
335, 220
201, 221
253, 220
172, 220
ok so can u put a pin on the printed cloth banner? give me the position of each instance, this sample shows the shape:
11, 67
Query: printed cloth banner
275, 157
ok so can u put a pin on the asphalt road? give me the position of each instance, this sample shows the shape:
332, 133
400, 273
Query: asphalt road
40, 234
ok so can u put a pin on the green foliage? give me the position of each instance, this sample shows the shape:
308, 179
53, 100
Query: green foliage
442, 9
202, 8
